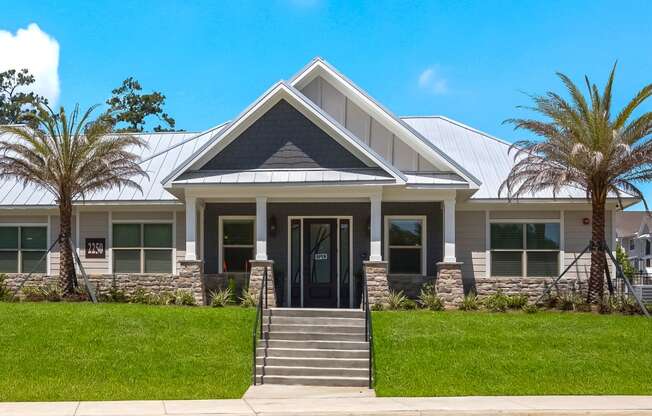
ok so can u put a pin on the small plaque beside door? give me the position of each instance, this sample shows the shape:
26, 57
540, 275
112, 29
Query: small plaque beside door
95, 248
321, 256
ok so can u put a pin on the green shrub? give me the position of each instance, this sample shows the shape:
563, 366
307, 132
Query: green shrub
469, 303
516, 301
138, 296
378, 306
32, 294
5, 294
409, 304
530, 308
51, 293
184, 298
248, 299
429, 299
115, 294
496, 302
396, 300
221, 298
233, 288
627, 305
608, 304
566, 301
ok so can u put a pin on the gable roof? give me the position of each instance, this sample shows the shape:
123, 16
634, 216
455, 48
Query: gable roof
413, 138
282, 90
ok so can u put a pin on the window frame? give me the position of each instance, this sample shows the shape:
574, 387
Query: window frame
20, 250
424, 242
220, 236
525, 250
141, 247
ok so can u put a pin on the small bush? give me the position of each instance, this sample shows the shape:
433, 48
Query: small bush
516, 301
184, 298
396, 300
566, 301
409, 304
233, 288
221, 298
5, 294
429, 299
377, 306
608, 304
33, 294
50, 293
139, 296
248, 299
469, 303
627, 305
530, 308
497, 302
115, 295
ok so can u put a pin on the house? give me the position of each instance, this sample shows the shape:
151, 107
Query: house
633, 234
318, 185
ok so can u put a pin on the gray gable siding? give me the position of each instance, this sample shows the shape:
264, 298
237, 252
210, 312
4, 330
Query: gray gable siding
283, 138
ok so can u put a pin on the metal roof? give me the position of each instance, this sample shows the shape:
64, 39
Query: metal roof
285, 176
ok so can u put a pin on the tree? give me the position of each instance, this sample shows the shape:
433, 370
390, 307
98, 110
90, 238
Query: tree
625, 264
15, 102
129, 106
583, 146
69, 156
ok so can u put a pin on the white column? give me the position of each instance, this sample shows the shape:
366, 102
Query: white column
375, 234
191, 228
449, 231
261, 228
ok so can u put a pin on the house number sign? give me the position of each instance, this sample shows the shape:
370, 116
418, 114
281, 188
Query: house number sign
95, 248
321, 256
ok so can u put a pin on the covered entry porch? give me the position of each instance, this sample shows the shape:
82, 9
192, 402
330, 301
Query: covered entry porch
319, 247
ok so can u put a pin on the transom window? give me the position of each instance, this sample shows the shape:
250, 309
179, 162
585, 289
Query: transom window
21, 248
142, 248
525, 249
237, 243
405, 244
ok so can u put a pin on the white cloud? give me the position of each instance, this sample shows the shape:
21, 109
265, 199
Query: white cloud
37, 51
431, 80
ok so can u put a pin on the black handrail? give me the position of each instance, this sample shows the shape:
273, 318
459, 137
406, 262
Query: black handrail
258, 324
368, 329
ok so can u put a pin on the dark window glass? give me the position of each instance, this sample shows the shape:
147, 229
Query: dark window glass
320, 253
295, 248
542, 236
344, 252
236, 259
126, 235
8, 262
647, 263
126, 261
542, 263
33, 238
157, 235
405, 232
158, 261
9, 237
30, 260
507, 236
404, 260
506, 263
647, 247
238, 232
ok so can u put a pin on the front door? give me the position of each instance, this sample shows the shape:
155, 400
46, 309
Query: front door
320, 263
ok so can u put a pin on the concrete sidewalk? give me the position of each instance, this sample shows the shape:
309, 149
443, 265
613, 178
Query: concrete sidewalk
278, 401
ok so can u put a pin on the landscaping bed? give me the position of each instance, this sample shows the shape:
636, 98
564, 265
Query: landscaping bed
80, 351
455, 353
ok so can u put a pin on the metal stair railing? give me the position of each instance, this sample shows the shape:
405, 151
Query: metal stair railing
258, 324
369, 334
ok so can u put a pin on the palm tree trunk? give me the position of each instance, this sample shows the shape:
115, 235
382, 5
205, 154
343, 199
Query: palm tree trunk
598, 258
67, 277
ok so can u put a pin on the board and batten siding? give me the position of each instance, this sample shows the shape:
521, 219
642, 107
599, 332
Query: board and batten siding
365, 127
470, 237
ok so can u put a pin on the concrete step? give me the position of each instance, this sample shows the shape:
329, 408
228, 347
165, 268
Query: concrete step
314, 336
315, 381
312, 371
340, 329
314, 362
313, 320
310, 312
314, 344
312, 353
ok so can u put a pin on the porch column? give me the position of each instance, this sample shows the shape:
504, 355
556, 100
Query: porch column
191, 228
261, 228
375, 234
449, 231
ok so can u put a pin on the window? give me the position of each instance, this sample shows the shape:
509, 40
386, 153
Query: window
21, 249
142, 248
631, 245
647, 262
237, 245
522, 249
405, 242
647, 247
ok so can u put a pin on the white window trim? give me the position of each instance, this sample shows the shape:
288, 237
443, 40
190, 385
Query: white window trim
524, 251
424, 240
142, 248
220, 235
19, 225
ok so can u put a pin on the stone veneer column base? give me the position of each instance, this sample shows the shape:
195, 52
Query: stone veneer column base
258, 268
449, 284
190, 278
376, 274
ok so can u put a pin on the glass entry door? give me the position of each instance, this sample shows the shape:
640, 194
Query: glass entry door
320, 265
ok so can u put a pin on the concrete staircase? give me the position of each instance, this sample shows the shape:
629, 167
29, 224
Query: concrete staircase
313, 347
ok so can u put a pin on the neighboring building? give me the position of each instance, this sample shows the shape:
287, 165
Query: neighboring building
318, 183
633, 234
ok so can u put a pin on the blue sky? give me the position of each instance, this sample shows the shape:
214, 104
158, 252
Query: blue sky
468, 60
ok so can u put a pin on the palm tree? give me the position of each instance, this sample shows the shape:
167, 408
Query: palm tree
583, 146
70, 156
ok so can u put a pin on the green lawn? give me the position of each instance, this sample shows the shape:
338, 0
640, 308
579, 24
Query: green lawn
464, 353
67, 351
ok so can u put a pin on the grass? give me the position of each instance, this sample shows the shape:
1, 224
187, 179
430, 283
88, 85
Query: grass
79, 351
421, 353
